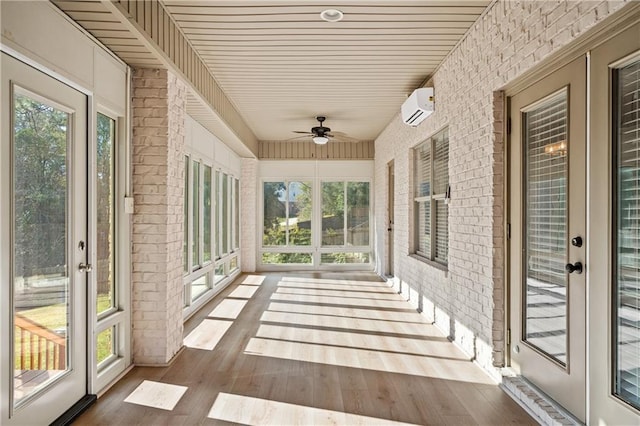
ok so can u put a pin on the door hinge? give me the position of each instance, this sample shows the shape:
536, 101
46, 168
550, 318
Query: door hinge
508, 336
508, 231
509, 126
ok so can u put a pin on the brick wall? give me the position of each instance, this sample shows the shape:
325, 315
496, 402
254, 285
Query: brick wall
158, 183
248, 214
511, 38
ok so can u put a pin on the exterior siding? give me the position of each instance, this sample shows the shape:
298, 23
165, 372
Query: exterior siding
511, 38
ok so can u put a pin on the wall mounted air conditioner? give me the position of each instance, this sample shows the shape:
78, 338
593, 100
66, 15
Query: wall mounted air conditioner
418, 106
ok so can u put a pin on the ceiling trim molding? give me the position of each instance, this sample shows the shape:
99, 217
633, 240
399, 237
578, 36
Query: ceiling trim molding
155, 29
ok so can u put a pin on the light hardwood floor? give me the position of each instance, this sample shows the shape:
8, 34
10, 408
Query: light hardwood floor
309, 348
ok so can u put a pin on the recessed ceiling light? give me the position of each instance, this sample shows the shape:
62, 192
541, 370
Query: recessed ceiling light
331, 15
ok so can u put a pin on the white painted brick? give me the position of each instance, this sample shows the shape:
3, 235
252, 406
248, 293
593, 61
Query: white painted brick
159, 103
510, 39
248, 214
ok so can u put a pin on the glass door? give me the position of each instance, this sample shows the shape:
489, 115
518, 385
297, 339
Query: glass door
44, 316
614, 291
547, 252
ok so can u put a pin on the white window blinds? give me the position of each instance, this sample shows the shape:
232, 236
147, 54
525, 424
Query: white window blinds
431, 177
546, 145
626, 296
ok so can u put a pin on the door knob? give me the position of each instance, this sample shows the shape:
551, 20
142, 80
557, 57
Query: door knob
576, 241
576, 267
85, 267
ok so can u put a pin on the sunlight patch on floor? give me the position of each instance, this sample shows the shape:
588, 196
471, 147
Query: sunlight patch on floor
339, 301
256, 411
244, 292
424, 366
156, 395
339, 281
336, 285
337, 293
228, 309
347, 312
207, 334
440, 348
253, 279
350, 324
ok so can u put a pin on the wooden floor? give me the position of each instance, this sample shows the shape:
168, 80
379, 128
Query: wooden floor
309, 349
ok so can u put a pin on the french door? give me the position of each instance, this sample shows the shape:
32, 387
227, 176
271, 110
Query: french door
548, 241
614, 275
43, 251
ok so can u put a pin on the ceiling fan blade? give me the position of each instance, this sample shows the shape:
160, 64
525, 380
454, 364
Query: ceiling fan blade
307, 136
341, 137
298, 131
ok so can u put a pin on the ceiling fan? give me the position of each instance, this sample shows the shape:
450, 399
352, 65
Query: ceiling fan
321, 134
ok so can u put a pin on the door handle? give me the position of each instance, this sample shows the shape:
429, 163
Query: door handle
576, 267
85, 267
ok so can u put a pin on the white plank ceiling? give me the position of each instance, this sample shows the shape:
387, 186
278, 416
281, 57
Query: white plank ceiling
281, 65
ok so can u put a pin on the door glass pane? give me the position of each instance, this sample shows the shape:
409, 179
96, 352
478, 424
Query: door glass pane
105, 347
332, 213
358, 213
299, 209
275, 214
40, 270
207, 214
105, 217
627, 283
546, 145
195, 214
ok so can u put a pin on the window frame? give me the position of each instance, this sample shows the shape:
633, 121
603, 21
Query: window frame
432, 198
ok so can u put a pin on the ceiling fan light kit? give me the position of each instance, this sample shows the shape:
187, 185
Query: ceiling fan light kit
320, 140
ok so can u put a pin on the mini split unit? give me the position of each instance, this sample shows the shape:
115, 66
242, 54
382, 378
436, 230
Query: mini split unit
418, 106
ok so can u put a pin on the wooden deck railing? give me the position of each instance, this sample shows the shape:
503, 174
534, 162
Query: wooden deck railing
39, 348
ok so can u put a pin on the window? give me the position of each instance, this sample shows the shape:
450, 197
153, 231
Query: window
105, 215
198, 237
227, 224
287, 221
626, 289
431, 196
108, 316
236, 215
345, 222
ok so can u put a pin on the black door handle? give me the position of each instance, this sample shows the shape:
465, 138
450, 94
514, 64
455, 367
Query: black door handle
576, 267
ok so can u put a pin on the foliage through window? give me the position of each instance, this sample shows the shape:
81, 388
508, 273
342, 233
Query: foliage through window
286, 219
431, 195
